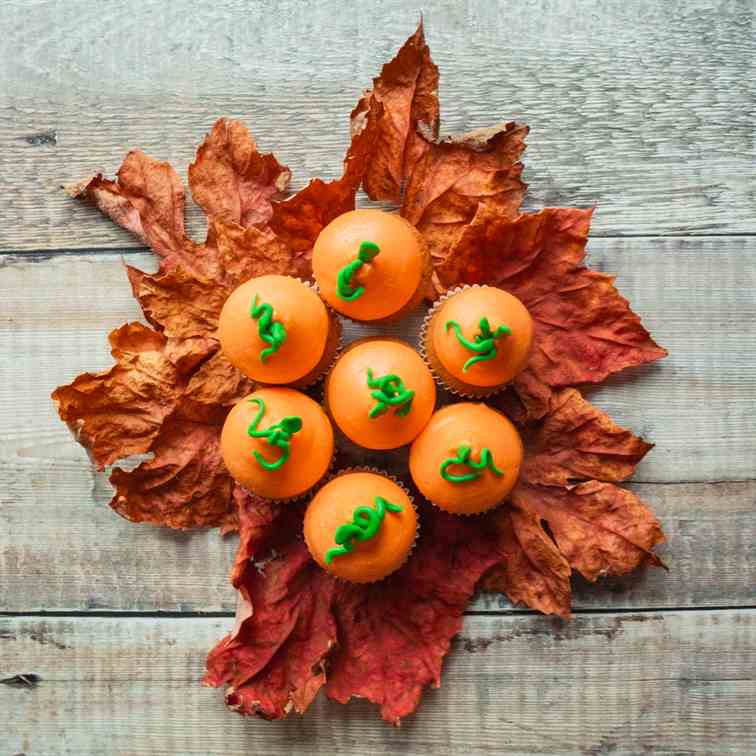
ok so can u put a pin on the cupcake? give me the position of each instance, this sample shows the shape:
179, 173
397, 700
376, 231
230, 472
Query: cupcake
276, 330
371, 265
380, 393
360, 526
277, 443
477, 339
467, 459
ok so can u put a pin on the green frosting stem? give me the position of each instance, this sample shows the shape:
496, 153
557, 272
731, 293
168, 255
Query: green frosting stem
270, 331
344, 288
465, 459
278, 435
484, 344
366, 522
390, 392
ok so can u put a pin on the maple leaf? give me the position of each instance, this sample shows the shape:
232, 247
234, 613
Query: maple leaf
171, 389
299, 629
567, 481
404, 97
584, 329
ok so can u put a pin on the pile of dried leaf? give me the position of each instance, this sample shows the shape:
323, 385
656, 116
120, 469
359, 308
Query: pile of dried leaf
297, 629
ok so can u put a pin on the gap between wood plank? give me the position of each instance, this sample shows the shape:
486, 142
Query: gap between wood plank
47, 254
96, 614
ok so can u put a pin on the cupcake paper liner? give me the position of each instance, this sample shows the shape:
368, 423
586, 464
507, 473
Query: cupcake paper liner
484, 391
393, 479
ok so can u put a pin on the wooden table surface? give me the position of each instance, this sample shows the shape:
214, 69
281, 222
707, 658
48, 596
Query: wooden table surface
645, 109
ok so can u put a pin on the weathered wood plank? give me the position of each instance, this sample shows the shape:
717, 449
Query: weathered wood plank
644, 110
667, 683
696, 296
63, 549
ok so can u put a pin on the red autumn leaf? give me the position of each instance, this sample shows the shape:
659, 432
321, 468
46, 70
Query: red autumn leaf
584, 329
403, 98
394, 635
298, 628
273, 661
231, 181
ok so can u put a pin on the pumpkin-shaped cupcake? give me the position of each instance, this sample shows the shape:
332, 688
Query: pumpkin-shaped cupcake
371, 265
277, 443
380, 393
477, 339
468, 458
276, 330
360, 526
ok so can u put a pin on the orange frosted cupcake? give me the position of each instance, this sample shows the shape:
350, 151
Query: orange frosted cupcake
380, 393
277, 442
467, 459
360, 526
276, 330
371, 265
477, 339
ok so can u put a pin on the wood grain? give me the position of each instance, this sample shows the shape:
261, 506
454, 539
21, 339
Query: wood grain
644, 110
699, 407
695, 295
631, 683
63, 549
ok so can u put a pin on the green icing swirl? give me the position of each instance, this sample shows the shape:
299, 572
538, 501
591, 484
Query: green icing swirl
270, 331
484, 344
344, 288
366, 522
278, 435
390, 391
474, 468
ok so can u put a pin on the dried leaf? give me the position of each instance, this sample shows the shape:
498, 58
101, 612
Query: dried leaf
212, 390
532, 571
394, 635
404, 97
600, 528
274, 660
179, 303
186, 485
578, 442
245, 253
452, 178
584, 329
119, 412
597, 528
231, 181
384, 641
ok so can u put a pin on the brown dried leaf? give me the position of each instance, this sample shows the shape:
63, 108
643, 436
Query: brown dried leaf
600, 528
404, 97
453, 176
578, 442
532, 571
119, 412
181, 304
186, 485
231, 181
